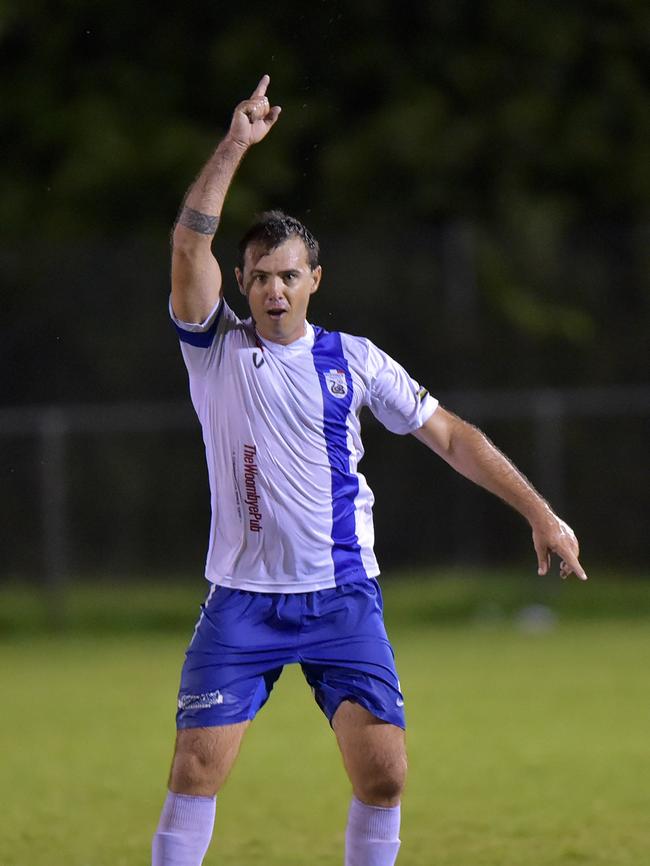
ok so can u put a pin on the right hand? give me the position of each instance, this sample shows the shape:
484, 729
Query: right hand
253, 117
553, 535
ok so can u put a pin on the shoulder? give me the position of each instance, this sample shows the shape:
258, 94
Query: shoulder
206, 344
354, 349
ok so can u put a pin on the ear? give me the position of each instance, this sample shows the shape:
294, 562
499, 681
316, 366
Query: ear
316, 275
240, 281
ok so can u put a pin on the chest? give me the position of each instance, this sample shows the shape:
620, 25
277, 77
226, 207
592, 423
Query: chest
290, 390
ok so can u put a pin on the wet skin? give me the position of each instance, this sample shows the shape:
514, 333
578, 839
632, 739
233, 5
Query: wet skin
278, 285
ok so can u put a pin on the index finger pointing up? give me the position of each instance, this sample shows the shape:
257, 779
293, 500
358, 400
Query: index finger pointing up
260, 90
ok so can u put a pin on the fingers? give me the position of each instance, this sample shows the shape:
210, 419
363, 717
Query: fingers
255, 109
563, 543
543, 556
254, 117
262, 85
272, 115
571, 564
569, 551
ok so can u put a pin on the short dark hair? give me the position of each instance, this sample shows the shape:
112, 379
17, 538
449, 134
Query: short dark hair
274, 227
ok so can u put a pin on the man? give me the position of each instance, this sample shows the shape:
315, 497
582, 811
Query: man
290, 558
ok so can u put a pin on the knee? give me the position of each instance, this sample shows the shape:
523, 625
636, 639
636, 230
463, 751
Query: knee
383, 786
203, 758
193, 770
190, 775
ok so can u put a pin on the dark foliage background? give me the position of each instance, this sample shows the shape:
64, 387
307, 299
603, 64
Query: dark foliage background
479, 177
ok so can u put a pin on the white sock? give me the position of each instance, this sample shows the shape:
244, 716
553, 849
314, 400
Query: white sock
372, 835
184, 830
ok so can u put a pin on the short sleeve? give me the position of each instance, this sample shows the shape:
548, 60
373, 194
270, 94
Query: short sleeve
393, 397
200, 342
203, 347
202, 334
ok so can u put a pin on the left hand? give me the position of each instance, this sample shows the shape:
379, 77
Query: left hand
253, 117
553, 535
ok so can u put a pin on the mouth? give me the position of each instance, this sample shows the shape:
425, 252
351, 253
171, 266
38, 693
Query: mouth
276, 313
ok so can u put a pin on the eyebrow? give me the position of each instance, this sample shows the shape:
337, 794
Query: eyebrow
256, 271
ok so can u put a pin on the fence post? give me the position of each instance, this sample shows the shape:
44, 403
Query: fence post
548, 408
53, 430
460, 306
460, 300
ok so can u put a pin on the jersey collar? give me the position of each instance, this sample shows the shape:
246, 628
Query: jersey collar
302, 344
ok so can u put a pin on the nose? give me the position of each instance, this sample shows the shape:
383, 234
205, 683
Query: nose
276, 288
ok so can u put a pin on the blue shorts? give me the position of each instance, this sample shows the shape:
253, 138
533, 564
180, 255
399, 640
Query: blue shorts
243, 639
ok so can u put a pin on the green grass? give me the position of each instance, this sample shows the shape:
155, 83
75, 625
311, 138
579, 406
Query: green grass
526, 748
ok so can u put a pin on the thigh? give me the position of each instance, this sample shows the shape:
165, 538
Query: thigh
374, 754
203, 758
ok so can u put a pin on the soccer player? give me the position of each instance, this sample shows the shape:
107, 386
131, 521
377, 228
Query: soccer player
290, 559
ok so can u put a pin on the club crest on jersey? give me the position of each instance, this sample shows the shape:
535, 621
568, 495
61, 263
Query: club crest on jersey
336, 384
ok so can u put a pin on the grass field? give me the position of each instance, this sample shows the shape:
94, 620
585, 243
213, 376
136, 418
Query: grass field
528, 738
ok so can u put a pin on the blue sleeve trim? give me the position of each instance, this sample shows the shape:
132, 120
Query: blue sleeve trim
200, 339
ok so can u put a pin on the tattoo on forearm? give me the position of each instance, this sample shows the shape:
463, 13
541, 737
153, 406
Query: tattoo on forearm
199, 222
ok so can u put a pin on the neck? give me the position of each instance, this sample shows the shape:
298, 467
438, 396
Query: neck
283, 339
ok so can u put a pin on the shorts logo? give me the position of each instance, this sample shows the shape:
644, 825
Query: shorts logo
336, 384
200, 702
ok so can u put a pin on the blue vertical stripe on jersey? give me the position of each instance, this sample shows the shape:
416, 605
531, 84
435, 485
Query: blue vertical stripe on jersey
328, 356
200, 339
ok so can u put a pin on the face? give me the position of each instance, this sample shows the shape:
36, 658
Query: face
278, 285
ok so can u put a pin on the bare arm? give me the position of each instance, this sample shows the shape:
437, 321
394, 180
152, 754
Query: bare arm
472, 454
196, 276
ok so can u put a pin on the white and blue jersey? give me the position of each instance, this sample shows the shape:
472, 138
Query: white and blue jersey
290, 510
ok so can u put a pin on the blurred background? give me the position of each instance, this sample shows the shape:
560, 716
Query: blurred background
478, 175
479, 178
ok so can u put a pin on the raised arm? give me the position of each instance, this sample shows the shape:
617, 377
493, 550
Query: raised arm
472, 454
196, 276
